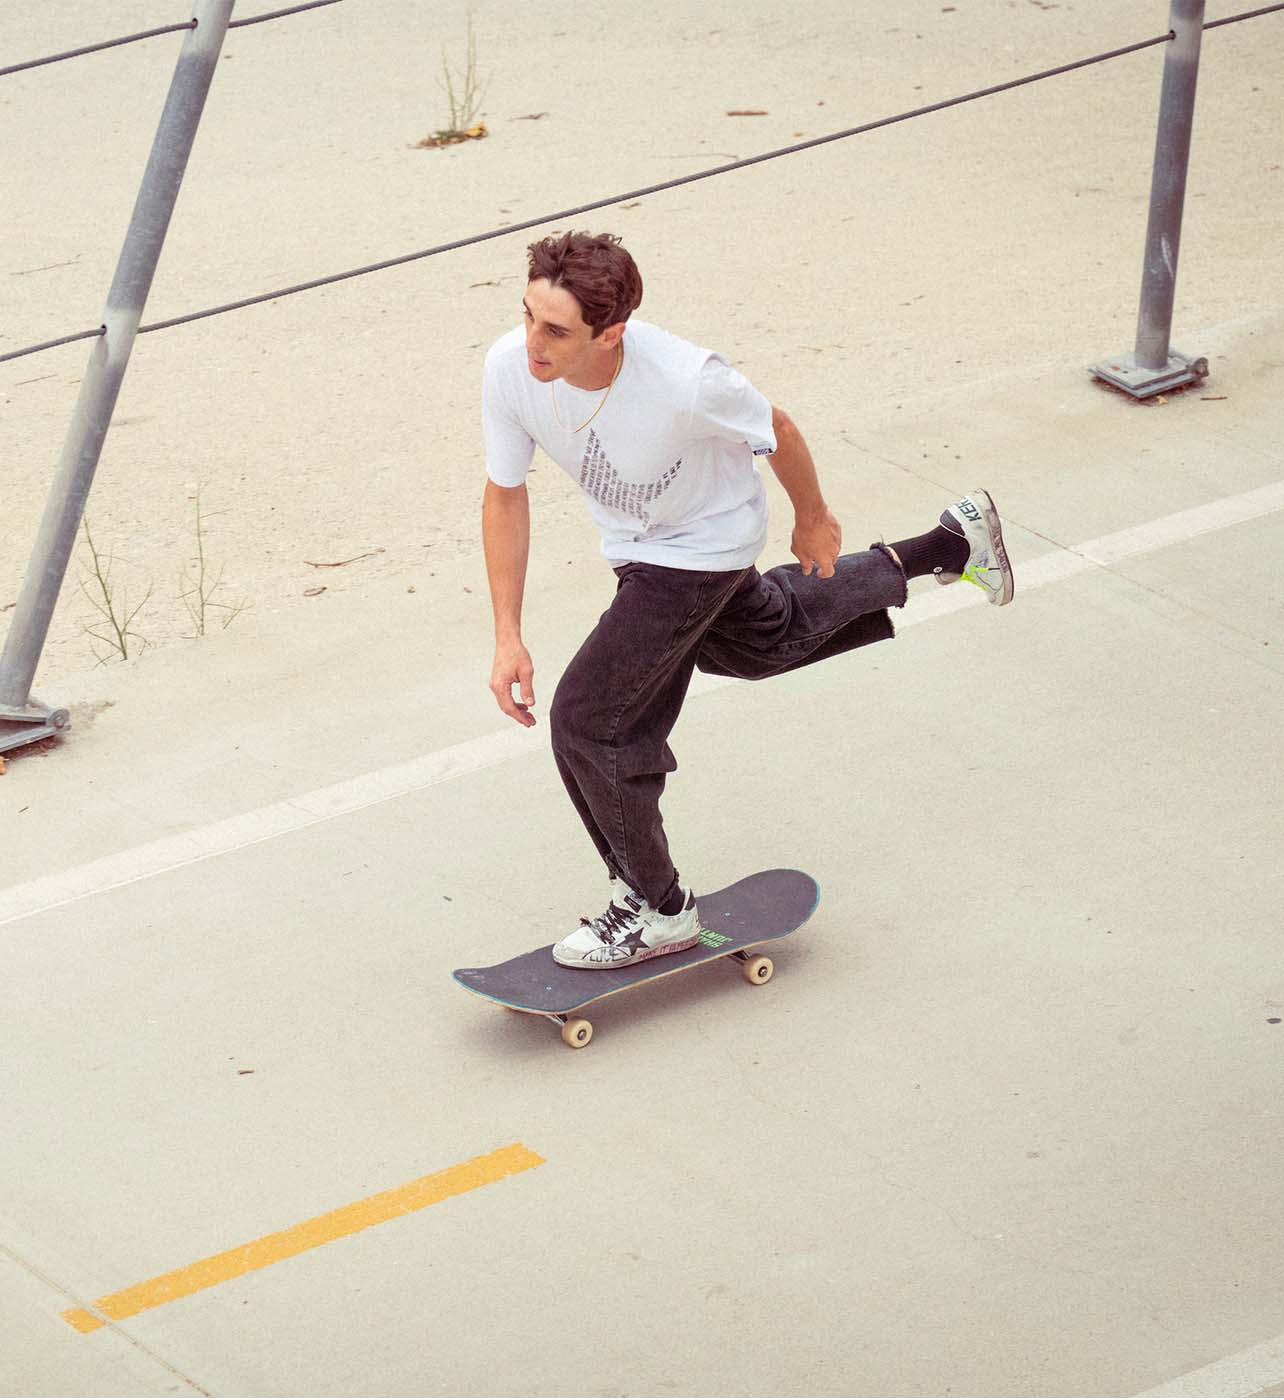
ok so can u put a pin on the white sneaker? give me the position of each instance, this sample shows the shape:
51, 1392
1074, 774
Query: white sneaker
630, 931
977, 520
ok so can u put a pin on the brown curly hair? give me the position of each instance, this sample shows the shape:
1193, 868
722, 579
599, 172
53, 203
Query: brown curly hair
597, 272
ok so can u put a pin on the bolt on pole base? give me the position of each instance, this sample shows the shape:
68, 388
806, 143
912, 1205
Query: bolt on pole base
29, 724
1141, 382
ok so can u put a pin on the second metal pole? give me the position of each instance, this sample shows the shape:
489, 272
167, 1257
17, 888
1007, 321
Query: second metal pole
1168, 184
1154, 365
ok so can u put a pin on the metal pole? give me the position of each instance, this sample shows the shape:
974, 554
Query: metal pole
1168, 184
1154, 365
21, 720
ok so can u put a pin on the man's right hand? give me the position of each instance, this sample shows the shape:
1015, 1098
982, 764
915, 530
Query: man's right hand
513, 666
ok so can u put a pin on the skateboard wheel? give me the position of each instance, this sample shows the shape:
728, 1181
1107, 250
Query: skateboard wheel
757, 970
577, 1033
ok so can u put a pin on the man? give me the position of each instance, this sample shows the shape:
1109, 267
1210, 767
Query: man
662, 437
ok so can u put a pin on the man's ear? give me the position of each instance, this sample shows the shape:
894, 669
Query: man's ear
612, 335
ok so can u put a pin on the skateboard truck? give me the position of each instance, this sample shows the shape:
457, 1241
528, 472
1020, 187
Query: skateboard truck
754, 967
28, 723
577, 1031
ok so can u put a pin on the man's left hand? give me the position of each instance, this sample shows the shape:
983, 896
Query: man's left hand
817, 543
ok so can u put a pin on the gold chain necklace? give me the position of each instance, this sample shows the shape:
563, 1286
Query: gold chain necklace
619, 364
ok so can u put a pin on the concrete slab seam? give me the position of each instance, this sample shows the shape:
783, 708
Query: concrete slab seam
36, 1272
489, 750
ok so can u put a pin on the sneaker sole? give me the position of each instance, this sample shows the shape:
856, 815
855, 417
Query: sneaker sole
995, 530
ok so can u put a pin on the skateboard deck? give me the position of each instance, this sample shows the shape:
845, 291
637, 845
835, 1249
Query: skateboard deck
755, 910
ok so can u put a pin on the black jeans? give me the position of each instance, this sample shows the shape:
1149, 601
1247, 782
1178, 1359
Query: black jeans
620, 697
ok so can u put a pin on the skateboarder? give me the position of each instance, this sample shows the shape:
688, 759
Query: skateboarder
663, 438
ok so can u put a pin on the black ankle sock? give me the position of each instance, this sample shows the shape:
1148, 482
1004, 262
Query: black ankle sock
673, 905
939, 549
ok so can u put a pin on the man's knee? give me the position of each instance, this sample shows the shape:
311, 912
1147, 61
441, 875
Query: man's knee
561, 715
570, 718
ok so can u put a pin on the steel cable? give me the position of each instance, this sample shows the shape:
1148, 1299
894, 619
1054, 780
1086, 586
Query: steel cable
670, 184
1248, 14
152, 33
95, 48
674, 183
280, 14
602, 203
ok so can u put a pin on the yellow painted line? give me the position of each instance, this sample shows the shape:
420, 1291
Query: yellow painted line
321, 1229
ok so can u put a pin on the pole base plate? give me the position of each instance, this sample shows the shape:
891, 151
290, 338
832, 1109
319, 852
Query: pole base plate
1141, 382
30, 724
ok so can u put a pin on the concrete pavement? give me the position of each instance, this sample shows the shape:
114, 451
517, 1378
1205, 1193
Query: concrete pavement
1005, 1122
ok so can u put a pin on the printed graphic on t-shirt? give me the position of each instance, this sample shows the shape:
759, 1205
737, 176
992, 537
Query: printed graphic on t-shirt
600, 479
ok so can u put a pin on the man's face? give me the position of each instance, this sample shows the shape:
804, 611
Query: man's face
559, 345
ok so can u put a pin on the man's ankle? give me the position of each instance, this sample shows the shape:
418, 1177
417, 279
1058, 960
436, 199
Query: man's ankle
938, 549
675, 902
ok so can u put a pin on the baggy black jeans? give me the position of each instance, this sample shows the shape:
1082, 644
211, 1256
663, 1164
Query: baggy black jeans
620, 697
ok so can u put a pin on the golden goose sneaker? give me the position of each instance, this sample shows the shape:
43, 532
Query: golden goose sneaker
630, 931
977, 520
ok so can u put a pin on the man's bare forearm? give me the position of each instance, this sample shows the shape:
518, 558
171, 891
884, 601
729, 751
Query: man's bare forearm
794, 468
506, 539
817, 536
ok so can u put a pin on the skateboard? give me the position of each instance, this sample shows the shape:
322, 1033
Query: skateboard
735, 920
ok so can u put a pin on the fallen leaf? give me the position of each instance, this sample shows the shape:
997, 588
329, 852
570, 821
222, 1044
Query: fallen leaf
314, 592
452, 138
1, 765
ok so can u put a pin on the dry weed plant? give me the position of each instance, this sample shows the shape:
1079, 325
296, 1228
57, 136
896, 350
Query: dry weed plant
197, 593
115, 631
463, 99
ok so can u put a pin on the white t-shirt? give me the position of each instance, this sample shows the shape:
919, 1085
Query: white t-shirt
667, 466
